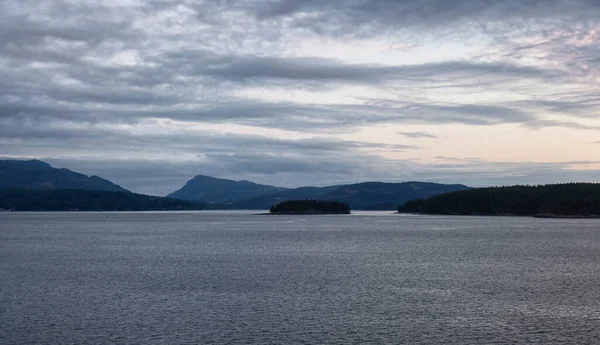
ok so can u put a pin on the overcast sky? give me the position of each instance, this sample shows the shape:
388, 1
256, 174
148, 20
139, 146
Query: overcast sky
150, 93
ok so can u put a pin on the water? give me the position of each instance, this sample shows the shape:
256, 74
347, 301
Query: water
238, 278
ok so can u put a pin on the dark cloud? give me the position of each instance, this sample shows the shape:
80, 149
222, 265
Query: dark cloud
29, 22
582, 105
14, 137
564, 124
320, 69
368, 17
290, 116
418, 135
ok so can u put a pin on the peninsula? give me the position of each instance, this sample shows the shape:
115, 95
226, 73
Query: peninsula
570, 200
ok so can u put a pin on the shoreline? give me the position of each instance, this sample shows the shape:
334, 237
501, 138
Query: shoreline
299, 214
557, 216
548, 216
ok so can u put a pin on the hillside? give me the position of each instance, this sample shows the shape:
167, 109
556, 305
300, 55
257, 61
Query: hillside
87, 200
216, 190
360, 196
263, 202
558, 200
386, 196
35, 174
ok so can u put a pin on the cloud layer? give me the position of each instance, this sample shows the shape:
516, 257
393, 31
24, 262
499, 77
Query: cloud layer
302, 92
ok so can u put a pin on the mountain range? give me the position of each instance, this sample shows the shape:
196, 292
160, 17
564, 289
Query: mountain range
363, 196
34, 185
18, 178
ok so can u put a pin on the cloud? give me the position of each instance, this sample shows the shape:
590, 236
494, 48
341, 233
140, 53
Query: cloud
32, 23
458, 159
320, 69
373, 16
76, 69
418, 135
282, 89
20, 134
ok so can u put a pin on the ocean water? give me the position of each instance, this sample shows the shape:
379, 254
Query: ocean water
239, 278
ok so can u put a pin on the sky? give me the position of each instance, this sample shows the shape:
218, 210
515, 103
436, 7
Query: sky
149, 93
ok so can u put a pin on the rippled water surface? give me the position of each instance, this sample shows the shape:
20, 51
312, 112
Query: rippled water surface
238, 278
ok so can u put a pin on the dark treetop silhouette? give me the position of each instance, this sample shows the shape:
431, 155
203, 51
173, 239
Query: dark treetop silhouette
558, 200
310, 207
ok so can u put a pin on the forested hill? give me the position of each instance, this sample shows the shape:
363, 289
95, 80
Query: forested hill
558, 200
360, 196
310, 207
386, 196
35, 174
88, 200
217, 190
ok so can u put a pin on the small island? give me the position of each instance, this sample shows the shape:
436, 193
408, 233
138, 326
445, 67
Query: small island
310, 207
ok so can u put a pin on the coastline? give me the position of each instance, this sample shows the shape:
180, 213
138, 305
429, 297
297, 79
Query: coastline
548, 216
300, 213
558, 216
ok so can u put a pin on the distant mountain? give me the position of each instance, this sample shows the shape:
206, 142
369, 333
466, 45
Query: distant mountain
360, 196
87, 200
264, 202
558, 200
18, 175
387, 196
35, 174
216, 190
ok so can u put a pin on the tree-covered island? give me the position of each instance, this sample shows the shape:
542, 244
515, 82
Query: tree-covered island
310, 207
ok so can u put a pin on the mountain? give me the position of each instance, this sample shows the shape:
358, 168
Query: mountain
87, 200
386, 196
557, 200
264, 202
35, 174
17, 176
360, 196
216, 190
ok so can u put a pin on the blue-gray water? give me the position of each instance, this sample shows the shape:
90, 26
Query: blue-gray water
235, 278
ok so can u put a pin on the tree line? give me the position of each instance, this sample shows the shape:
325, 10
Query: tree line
86, 200
310, 207
570, 199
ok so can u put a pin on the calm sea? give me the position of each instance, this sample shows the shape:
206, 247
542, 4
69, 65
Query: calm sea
238, 278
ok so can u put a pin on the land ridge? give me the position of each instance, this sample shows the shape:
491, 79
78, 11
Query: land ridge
309, 207
569, 200
88, 200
